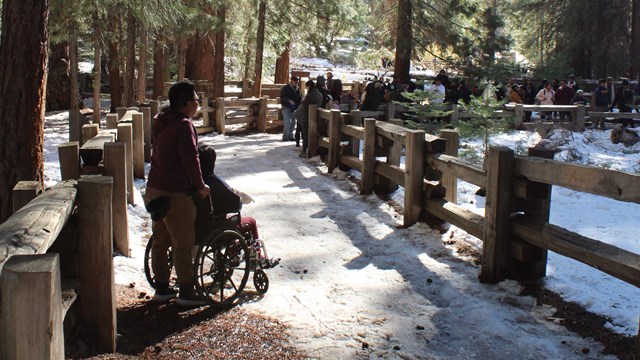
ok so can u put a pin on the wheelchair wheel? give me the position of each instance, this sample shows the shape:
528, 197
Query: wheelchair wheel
222, 267
260, 281
148, 268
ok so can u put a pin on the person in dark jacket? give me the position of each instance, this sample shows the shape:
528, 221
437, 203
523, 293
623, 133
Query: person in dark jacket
313, 97
290, 98
624, 98
175, 174
600, 98
371, 98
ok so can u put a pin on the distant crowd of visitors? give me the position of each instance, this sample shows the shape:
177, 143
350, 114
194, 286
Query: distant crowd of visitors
327, 92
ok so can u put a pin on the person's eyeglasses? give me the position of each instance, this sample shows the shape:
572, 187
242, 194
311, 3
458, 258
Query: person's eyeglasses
196, 100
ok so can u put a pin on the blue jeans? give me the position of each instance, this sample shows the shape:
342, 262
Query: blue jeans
289, 123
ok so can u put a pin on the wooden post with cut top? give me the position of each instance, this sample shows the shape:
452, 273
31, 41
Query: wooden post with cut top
220, 116
112, 121
496, 233
335, 123
204, 106
89, 131
414, 175
23, 192
69, 155
519, 113
115, 160
125, 135
138, 145
121, 111
356, 119
580, 114
312, 131
146, 120
449, 181
262, 114
368, 157
31, 308
96, 281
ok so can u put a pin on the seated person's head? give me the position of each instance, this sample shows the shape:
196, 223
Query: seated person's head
207, 159
180, 94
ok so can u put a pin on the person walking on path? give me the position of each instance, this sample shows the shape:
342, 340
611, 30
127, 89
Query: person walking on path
175, 175
313, 97
290, 98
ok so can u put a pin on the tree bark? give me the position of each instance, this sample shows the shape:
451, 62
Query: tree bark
23, 86
58, 82
248, 48
75, 101
158, 66
141, 88
115, 85
635, 39
259, 48
182, 57
282, 65
402, 63
130, 61
97, 68
218, 65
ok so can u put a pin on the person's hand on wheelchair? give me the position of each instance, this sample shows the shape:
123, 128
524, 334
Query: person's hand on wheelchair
204, 192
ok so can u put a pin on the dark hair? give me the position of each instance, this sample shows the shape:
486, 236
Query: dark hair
310, 84
180, 93
207, 159
336, 89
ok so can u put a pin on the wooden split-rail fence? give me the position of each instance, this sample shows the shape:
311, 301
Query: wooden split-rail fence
515, 228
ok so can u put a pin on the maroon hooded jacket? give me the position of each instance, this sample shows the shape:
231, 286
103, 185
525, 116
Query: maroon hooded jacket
175, 165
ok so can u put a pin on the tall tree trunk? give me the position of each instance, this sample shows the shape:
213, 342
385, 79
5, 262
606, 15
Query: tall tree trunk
404, 42
203, 59
115, 85
282, 65
130, 61
141, 88
97, 68
75, 102
248, 49
23, 85
218, 75
158, 66
182, 57
259, 48
635, 39
58, 82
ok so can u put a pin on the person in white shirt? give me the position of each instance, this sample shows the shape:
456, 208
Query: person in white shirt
438, 92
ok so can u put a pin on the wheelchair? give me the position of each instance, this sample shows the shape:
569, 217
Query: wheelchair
226, 253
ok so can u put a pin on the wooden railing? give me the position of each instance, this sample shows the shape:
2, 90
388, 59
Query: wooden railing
515, 228
42, 243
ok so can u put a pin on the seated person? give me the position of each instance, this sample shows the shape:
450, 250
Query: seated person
224, 199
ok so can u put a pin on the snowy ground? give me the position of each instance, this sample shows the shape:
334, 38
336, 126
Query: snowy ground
353, 284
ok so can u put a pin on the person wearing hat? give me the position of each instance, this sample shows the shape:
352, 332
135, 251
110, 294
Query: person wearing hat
579, 98
290, 99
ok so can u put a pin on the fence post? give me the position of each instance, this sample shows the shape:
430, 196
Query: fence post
312, 136
413, 175
247, 91
448, 181
393, 155
69, 156
89, 131
125, 135
138, 145
334, 140
115, 160
205, 111
495, 246
76, 120
262, 114
578, 120
391, 111
368, 157
95, 259
32, 314
154, 105
220, 116
537, 206
146, 130
112, 121
519, 113
23, 192
455, 112
121, 111
356, 119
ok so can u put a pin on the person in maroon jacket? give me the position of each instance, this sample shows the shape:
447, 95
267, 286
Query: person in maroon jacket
175, 174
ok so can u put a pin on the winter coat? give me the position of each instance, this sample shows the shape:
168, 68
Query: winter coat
545, 96
602, 97
290, 92
175, 165
313, 97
